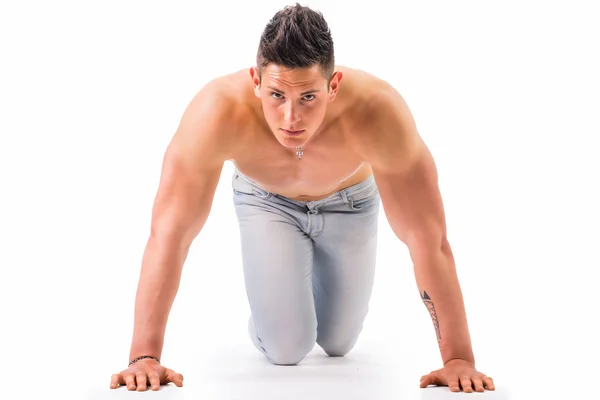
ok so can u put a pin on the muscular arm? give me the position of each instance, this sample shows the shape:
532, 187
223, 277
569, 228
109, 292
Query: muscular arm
190, 172
406, 175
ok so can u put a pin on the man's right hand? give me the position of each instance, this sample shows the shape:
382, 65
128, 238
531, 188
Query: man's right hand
143, 373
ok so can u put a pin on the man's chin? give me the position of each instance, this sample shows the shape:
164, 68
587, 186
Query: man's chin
291, 142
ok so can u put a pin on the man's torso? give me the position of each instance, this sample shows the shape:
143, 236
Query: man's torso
332, 159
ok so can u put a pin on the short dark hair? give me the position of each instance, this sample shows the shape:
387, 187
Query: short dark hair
297, 37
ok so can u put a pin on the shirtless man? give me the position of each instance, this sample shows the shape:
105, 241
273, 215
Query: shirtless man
316, 147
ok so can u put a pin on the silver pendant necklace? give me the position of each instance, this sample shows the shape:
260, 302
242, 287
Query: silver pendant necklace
299, 152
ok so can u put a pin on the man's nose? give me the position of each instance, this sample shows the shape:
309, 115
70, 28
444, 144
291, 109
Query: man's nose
291, 113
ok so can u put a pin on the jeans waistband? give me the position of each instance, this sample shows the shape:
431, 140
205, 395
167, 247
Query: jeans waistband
358, 191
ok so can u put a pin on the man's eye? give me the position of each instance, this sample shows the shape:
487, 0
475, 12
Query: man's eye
312, 97
276, 95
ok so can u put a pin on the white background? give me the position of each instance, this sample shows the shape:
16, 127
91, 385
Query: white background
506, 95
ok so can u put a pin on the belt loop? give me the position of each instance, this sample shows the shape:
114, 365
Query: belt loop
344, 196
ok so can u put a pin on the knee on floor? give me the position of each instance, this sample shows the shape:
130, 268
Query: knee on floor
289, 350
336, 348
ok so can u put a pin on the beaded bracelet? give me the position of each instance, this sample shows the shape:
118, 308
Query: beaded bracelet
141, 358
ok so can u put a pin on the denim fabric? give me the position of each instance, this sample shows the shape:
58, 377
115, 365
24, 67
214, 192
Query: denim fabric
308, 267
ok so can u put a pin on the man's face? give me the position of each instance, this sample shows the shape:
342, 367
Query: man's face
294, 101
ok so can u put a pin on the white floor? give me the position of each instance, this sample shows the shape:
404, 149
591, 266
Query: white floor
240, 372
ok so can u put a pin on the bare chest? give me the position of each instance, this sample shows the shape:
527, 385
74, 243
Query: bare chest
324, 168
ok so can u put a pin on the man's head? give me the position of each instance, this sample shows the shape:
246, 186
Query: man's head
294, 76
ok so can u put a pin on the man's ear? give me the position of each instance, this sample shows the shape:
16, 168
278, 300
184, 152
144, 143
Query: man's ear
254, 75
334, 85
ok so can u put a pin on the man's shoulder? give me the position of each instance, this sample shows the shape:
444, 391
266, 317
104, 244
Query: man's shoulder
214, 119
381, 117
227, 94
223, 104
372, 101
362, 88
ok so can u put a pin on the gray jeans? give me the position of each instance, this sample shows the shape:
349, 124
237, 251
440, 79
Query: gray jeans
308, 267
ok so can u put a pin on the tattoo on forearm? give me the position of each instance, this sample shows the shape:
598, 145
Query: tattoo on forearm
429, 304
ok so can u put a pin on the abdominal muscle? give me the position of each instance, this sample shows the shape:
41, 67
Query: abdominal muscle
303, 180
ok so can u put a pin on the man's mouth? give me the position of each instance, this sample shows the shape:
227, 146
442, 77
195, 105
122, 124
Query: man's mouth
292, 133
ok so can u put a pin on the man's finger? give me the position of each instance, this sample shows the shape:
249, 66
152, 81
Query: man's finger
467, 385
453, 384
177, 379
430, 379
489, 383
425, 381
114, 381
130, 382
478, 384
154, 381
142, 381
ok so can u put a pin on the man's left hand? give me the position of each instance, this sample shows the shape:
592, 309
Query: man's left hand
458, 374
